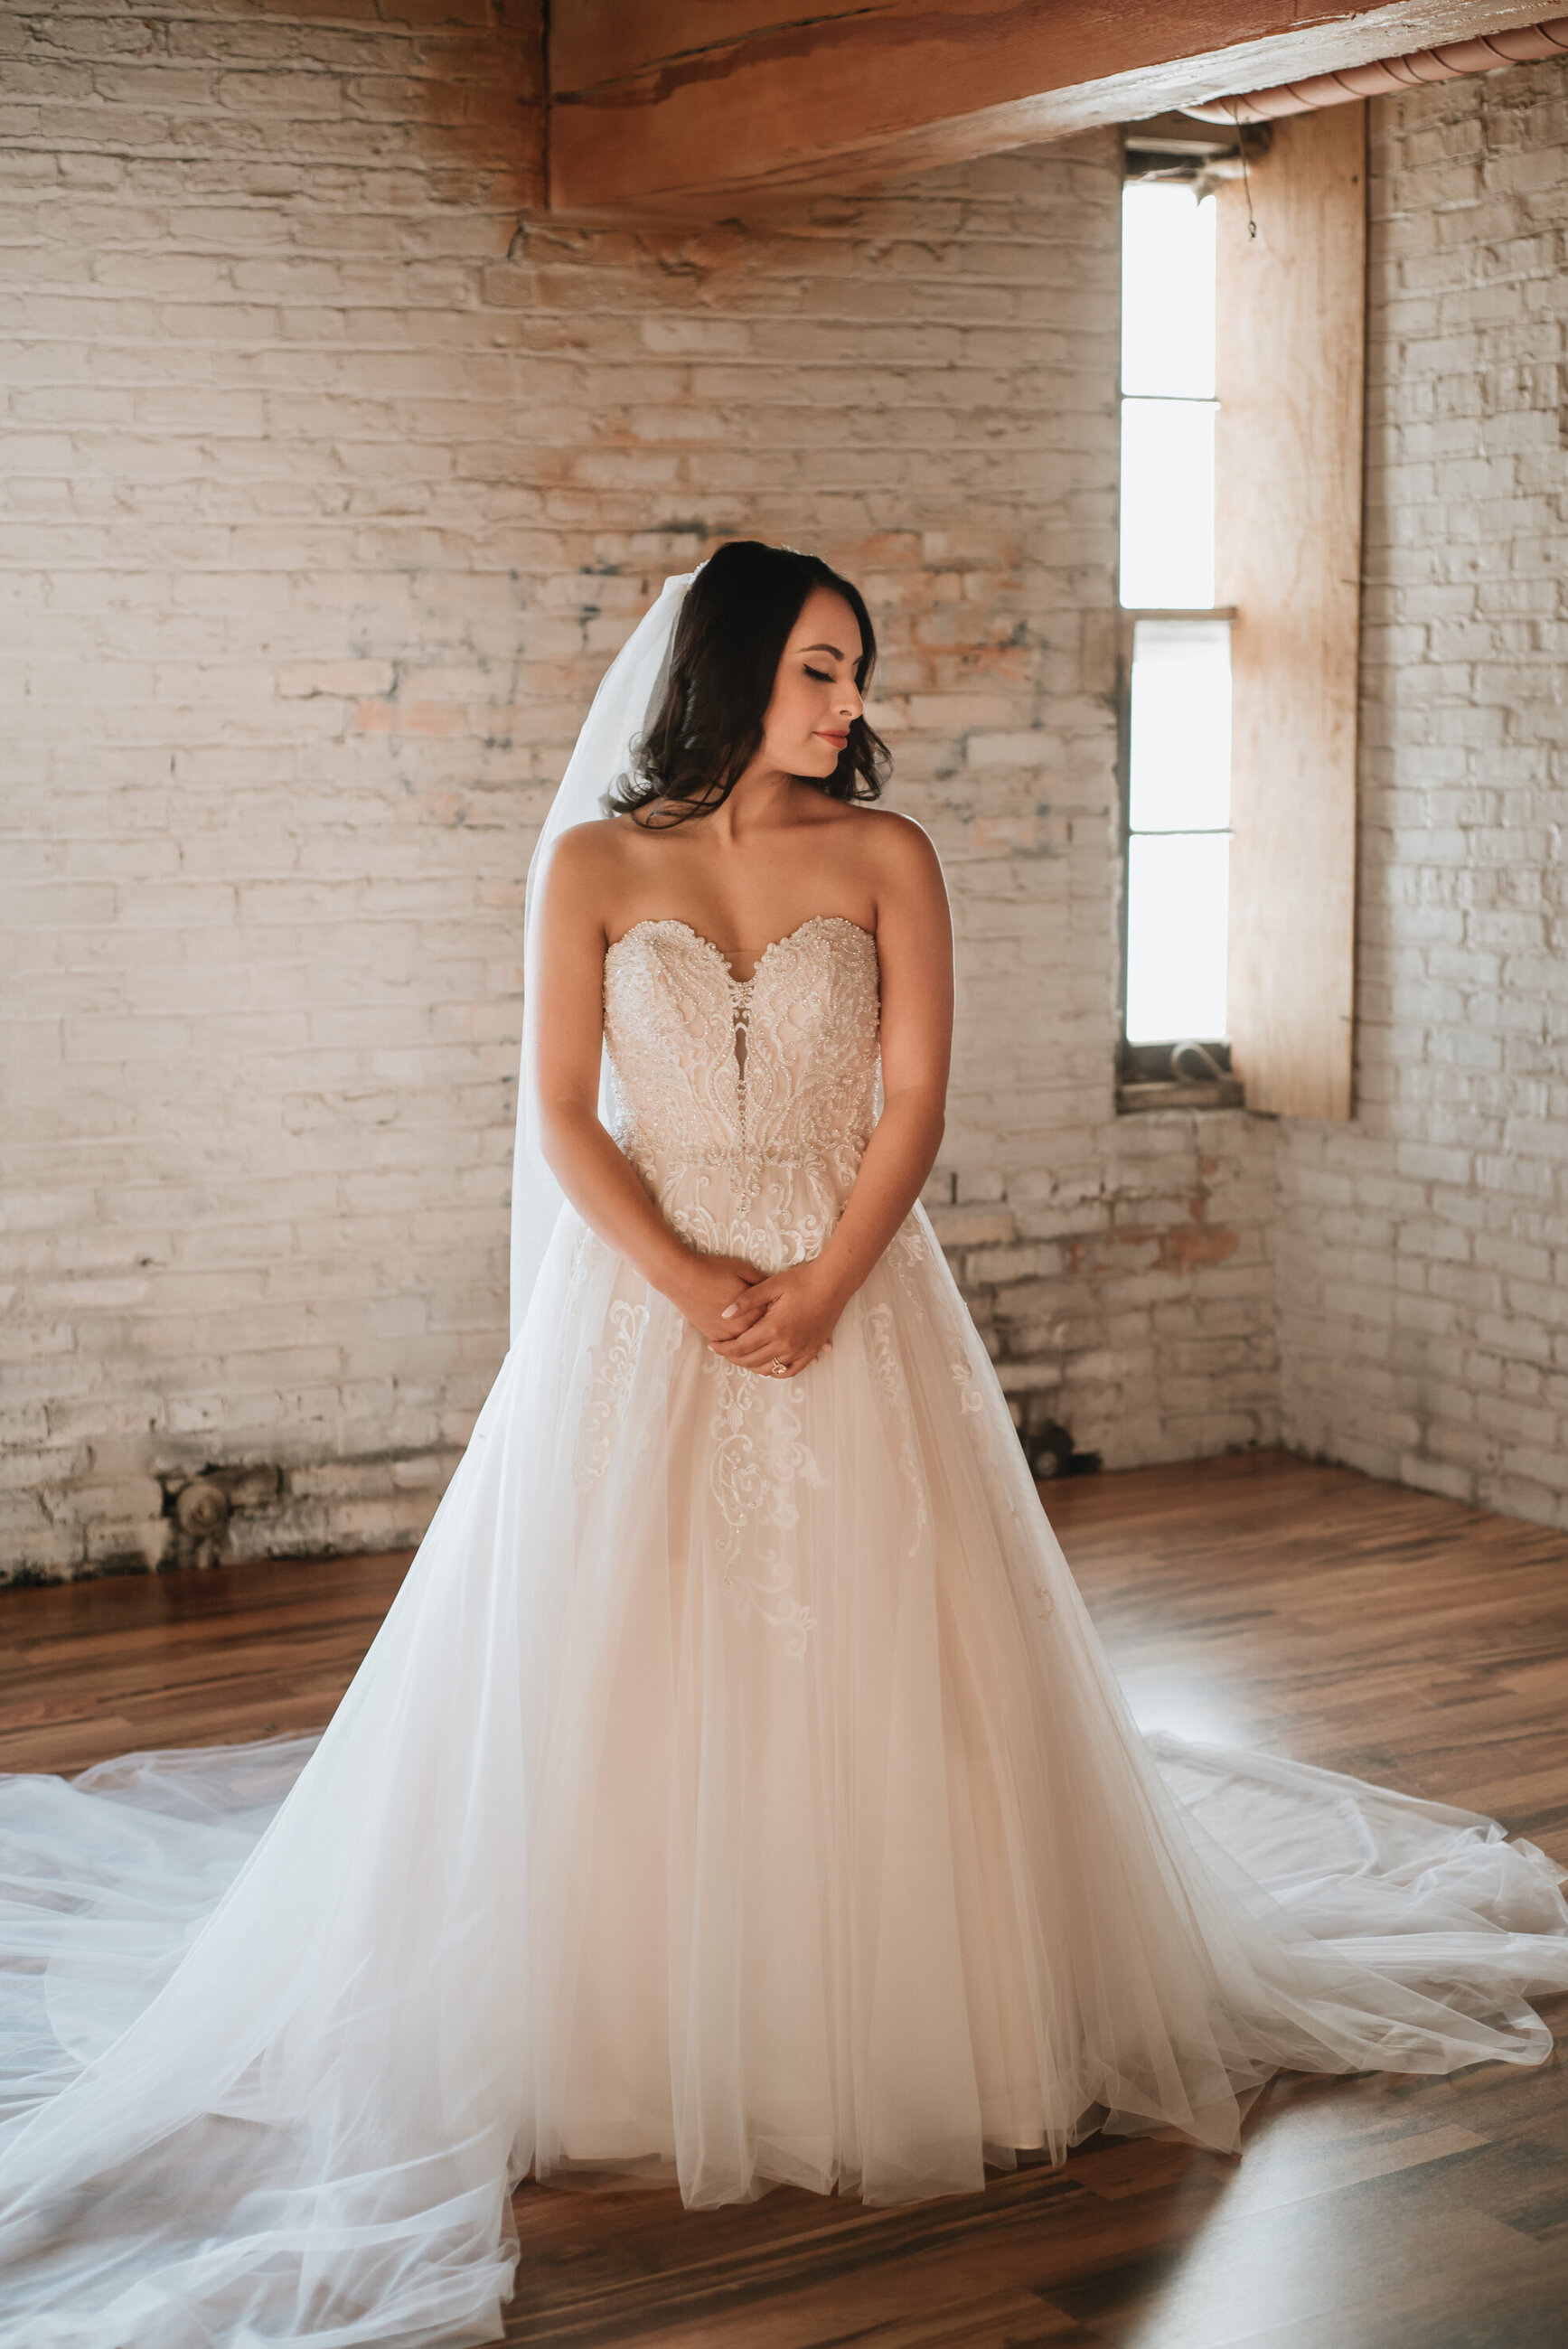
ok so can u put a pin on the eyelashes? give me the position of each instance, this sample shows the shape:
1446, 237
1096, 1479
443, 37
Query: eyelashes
823, 677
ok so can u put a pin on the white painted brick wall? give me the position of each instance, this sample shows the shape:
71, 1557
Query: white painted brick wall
1423, 1250
326, 490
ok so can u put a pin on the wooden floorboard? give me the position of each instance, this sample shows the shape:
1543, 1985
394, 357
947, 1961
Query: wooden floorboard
1258, 1600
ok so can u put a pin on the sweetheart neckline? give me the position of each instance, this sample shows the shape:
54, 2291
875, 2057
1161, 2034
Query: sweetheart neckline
674, 922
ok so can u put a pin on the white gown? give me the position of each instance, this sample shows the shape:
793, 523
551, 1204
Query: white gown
736, 1791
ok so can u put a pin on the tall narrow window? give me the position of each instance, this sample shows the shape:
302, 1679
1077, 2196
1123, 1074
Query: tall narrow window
1179, 707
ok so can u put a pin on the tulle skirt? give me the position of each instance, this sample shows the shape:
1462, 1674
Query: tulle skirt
735, 1792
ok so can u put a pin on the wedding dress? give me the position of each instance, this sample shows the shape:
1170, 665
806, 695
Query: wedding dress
735, 1792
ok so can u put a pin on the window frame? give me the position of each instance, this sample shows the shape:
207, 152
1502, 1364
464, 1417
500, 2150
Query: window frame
1150, 1076
1290, 376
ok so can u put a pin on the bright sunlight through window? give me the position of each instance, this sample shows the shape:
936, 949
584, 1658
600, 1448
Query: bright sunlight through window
1180, 763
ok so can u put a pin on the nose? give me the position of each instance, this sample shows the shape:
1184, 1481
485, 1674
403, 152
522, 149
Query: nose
847, 701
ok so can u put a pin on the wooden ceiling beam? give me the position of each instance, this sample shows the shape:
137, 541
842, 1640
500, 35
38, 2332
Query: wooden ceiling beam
687, 106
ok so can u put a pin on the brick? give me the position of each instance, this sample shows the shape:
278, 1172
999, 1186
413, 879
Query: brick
968, 1227
1450, 863
1030, 1262
326, 519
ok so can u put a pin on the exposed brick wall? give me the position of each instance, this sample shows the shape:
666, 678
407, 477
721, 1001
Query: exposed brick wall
271, 657
332, 474
1424, 1248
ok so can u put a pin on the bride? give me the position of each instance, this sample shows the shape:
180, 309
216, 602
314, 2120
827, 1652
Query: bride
736, 1791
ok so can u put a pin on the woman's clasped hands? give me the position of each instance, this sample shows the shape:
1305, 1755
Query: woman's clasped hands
773, 1324
783, 1322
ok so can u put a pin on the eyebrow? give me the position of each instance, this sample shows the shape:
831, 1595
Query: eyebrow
825, 648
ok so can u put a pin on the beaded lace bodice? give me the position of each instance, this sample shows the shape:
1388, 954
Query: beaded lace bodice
724, 1086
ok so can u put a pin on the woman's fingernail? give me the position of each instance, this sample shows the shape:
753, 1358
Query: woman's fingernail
728, 1314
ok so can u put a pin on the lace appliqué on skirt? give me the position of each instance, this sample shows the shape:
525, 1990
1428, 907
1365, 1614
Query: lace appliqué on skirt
759, 1461
614, 1364
884, 1350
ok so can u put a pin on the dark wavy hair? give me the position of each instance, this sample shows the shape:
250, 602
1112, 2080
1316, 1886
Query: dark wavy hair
735, 621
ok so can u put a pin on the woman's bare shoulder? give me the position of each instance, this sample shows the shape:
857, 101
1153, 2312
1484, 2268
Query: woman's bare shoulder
894, 850
583, 843
586, 855
871, 826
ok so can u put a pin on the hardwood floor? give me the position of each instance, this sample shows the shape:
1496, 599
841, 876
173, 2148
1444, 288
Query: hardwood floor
1257, 1599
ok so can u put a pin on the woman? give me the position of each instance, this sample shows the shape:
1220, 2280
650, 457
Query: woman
736, 1791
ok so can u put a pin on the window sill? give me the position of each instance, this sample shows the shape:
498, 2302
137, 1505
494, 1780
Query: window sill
1135, 1095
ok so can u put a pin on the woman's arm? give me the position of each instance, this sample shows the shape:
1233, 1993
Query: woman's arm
565, 980
789, 1315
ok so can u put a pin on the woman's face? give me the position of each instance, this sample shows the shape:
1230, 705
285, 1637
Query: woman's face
815, 697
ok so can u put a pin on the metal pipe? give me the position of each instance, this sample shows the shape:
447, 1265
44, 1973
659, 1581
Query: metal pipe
1387, 79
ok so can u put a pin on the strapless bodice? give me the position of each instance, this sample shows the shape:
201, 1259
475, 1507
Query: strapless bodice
730, 1095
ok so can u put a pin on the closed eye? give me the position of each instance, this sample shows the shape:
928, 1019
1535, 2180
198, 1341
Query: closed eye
822, 675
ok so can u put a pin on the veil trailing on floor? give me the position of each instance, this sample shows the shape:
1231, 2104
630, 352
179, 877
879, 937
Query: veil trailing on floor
282, 2025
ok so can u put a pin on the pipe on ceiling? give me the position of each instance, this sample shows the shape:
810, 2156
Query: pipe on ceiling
1387, 79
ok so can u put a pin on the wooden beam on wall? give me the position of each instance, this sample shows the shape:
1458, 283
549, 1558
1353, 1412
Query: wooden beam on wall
594, 42
1288, 464
686, 105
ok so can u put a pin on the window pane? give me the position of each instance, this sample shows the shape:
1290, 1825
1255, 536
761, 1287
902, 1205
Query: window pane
1167, 501
1167, 292
1176, 914
1180, 749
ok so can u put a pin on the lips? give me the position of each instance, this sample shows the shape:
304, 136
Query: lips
839, 739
